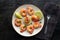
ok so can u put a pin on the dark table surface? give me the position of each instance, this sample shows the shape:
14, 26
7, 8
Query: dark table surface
6, 30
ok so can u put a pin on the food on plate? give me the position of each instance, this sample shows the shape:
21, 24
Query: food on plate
26, 20
22, 28
23, 12
17, 22
30, 29
37, 25
30, 10
39, 14
35, 18
18, 15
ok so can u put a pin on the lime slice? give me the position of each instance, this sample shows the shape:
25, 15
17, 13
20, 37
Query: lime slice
39, 14
18, 15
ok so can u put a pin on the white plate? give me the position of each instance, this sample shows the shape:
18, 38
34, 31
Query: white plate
17, 29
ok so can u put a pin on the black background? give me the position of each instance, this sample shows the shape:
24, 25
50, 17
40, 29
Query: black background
7, 7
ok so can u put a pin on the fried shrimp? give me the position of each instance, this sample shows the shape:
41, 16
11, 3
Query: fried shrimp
17, 22
23, 12
37, 25
30, 29
30, 10
23, 28
35, 18
26, 20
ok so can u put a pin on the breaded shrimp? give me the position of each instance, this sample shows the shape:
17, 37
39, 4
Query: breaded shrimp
17, 22
23, 12
30, 29
37, 25
26, 20
35, 18
22, 28
30, 10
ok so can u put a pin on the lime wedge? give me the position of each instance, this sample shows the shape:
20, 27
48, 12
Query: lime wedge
39, 14
18, 15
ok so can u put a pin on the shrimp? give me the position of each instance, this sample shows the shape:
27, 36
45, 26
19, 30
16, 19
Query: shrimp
30, 29
30, 10
23, 28
37, 25
23, 12
17, 22
26, 20
35, 18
